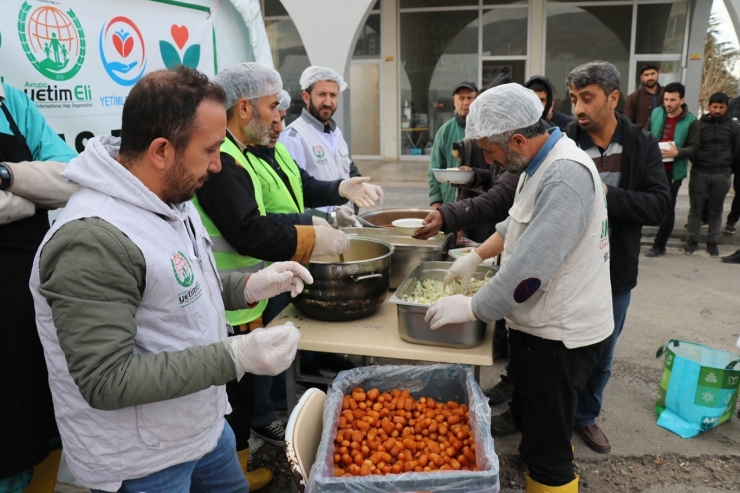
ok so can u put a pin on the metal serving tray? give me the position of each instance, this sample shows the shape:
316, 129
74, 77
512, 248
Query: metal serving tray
411, 324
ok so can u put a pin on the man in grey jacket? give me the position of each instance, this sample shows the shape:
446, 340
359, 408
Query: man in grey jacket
130, 307
556, 230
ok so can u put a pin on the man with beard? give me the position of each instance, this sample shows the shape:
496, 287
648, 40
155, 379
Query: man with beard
130, 308
255, 210
718, 155
555, 232
677, 129
452, 131
637, 193
314, 140
642, 102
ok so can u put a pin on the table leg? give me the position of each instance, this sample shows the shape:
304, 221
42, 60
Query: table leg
476, 373
290, 387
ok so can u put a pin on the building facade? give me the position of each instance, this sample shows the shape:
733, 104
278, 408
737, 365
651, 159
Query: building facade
407, 55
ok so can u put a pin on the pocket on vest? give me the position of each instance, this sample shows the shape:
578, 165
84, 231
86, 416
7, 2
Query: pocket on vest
177, 421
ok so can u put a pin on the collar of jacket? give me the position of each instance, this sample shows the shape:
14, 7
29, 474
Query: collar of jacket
629, 130
263, 152
708, 119
460, 121
645, 92
235, 141
315, 123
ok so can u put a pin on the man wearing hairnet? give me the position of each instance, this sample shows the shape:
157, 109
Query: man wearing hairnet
553, 286
249, 227
315, 141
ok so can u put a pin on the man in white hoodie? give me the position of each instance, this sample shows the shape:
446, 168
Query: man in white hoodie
130, 306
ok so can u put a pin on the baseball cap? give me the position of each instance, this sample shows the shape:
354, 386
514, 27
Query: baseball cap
465, 85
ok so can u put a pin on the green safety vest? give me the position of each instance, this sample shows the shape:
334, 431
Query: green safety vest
680, 134
227, 259
275, 194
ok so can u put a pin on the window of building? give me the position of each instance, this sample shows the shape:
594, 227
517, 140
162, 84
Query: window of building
439, 49
661, 28
580, 34
290, 59
444, 46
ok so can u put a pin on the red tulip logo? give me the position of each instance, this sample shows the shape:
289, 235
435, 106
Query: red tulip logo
123, 42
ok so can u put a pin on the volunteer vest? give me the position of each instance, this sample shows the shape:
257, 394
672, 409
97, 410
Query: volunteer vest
275, 195
227, 258
680, 134
181, 307
321, 162
575, 305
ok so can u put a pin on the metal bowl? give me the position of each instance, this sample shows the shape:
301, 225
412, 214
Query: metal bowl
348, 290
408, 252
385, 217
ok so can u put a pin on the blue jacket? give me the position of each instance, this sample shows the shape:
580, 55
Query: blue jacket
44, 143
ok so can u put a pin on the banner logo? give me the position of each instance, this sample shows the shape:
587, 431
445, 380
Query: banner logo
122, 51
52, 40
171, 55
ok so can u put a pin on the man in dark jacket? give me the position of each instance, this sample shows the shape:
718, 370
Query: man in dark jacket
543, 88
677, 131
642, 102
637, 193
718, 154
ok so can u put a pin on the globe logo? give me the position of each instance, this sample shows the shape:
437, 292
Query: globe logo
122, 51
52, 40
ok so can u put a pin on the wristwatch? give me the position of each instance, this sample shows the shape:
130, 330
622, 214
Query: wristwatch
5, 177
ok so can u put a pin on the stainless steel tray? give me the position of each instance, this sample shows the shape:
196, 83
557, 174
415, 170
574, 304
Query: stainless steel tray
411, 324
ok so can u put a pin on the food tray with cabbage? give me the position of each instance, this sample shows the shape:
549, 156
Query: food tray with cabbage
419, 290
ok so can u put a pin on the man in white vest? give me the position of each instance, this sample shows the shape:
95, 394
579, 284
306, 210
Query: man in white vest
130, 306
314, 140
553, 286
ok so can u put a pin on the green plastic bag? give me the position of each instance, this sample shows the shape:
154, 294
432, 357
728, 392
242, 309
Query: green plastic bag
699, 387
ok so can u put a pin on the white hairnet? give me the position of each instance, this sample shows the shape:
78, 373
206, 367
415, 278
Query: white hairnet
500, 109
314, 73
248, 80
284, 99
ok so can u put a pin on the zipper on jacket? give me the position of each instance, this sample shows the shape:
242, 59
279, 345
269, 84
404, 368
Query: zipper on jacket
193, 239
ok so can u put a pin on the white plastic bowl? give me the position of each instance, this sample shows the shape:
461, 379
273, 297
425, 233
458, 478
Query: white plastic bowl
408, 226
453, 175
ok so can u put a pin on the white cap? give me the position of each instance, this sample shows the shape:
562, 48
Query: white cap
248, 80
314, 73
284, 99
501, 109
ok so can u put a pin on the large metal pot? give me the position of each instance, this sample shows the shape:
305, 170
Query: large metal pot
351, 289
385, 217
408, 252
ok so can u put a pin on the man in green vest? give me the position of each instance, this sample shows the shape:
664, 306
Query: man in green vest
251, 224
452, 131
677, 131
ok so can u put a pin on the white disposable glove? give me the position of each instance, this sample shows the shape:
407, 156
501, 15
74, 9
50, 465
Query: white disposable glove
319, 221
346, 218
264, 351
455, 309
360, 192
330, 241
275, 279
463, 269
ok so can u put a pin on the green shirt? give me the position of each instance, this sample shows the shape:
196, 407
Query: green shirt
442, 158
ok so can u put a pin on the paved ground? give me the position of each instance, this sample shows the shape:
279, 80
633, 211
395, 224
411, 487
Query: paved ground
693, 298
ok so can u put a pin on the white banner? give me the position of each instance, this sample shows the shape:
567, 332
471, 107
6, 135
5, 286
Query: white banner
78, 59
